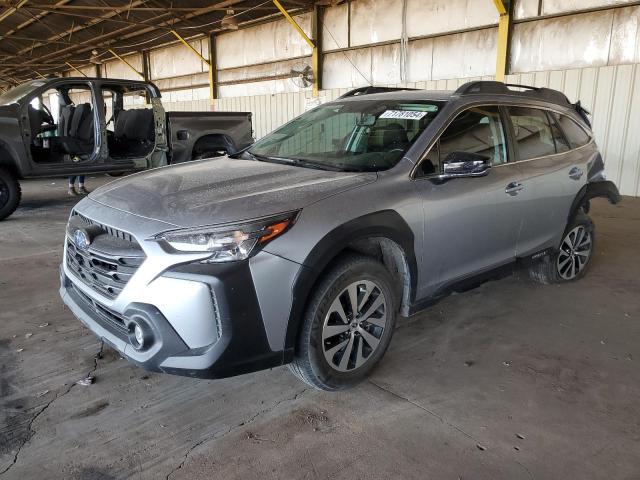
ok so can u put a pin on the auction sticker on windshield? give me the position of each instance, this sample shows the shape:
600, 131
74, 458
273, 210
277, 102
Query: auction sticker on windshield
404, 114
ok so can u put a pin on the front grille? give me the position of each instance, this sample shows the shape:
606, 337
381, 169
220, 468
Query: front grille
104, 314
109, 262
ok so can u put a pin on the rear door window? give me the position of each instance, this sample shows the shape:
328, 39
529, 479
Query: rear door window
477, 130
532, 132
575, 133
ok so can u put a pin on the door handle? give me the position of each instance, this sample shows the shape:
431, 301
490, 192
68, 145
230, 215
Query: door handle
513, 188
575, 173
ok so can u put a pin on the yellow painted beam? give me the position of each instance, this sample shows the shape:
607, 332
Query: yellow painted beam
186, 44
77, 70
294, 23
504, 24
127, 64
502, 10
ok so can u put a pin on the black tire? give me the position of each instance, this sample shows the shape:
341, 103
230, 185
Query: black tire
116, 174
209, 154
310, 363
10, 193
553, 268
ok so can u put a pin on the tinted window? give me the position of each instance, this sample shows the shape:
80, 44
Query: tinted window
562, 145
532, 132
576, 135
478, 130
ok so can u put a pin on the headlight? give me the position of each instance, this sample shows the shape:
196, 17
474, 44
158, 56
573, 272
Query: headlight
228, 243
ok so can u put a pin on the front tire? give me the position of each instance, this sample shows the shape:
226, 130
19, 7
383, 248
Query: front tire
572, 259
10, 193
348, 324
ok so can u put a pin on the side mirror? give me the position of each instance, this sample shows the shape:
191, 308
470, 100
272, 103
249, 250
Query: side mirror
465, 164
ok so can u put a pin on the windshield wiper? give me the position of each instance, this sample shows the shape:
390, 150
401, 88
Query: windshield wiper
295, 161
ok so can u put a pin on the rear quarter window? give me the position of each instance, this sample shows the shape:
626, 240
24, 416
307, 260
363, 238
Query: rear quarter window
575, 133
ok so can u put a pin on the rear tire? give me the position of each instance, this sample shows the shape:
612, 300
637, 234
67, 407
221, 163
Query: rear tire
10, 193
572, 258
337, 348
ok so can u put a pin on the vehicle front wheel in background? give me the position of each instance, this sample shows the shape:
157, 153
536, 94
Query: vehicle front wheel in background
209, 154
347, 326
10, 193
571, 260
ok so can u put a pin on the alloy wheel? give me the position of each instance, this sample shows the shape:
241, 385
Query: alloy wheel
575, 252
354, 325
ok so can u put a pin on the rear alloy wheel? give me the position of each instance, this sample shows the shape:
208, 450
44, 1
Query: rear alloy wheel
575, 252
347, 326
9, 193
571, 260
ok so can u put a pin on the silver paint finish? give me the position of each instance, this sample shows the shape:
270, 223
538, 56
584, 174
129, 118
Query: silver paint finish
223, 190
187, 305
460, 227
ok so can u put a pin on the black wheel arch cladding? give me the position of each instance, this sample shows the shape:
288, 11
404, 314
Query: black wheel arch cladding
600, 188
386, 224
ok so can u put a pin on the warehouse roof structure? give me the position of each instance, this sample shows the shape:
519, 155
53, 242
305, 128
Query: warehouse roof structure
45, 37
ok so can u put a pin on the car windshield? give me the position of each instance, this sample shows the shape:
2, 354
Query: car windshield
355, 135
16, 93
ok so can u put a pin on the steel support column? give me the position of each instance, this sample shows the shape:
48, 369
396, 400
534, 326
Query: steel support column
316, 56
146, 72
213, 67
504, 8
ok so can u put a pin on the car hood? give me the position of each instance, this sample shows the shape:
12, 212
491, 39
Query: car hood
223, 190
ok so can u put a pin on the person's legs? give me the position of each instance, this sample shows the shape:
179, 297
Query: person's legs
81, 188
71, 189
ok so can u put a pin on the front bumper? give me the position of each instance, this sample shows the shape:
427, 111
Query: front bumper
205, 320
241, 345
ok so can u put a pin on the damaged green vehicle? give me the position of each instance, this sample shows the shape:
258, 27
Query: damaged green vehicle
74, 126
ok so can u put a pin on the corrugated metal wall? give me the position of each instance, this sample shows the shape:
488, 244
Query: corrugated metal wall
611, 93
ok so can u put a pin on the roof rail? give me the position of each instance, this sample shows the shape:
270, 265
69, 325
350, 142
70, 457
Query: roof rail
492, 87
371, 90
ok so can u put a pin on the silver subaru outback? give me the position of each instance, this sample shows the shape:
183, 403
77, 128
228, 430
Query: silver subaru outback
306, 247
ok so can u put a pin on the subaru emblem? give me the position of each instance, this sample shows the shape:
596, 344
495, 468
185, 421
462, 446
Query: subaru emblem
81, 239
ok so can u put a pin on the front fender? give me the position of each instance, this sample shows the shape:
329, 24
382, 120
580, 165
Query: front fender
387, 224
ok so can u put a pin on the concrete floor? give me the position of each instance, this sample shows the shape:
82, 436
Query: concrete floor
511, 380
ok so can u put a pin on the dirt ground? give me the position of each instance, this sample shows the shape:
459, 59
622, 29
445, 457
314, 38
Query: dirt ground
510, 380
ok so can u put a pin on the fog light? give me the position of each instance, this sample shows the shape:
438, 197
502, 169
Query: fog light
137, 331
138, 336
